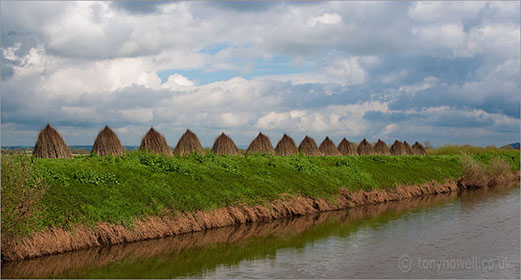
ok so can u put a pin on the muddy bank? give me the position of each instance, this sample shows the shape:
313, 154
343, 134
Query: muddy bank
59, 240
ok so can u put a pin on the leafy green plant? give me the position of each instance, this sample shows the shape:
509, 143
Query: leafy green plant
21, 194
95, 178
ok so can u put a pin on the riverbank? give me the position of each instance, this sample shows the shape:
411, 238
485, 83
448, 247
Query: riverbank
57, 205
205, 250
59, 240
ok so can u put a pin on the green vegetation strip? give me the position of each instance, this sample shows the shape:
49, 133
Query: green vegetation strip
90, 189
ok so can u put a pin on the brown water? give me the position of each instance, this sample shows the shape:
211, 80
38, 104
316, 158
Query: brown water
475, 234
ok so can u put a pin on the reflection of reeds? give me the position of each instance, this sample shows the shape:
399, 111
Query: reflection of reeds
288, 229
59, 240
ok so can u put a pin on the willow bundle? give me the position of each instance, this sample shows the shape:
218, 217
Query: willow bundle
107, 143
154, 142
50, 144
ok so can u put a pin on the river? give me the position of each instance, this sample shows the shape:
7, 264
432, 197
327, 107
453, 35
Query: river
474, 234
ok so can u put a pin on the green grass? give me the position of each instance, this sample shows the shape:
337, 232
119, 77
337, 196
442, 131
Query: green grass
90, 189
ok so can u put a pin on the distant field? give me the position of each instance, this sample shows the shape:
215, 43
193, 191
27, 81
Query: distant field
89, 189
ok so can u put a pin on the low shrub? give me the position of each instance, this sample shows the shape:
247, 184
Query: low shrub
499, 167
479, 174
21, 194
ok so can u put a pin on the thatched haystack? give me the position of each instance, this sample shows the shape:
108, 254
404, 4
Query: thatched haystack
381, 148
107, 143
407, 148
224, 145
286, 146
347, 148
154, 142
397, 148
328, 148
50, 144
308, 147
418, 149
365, 148
260, 145
187, 144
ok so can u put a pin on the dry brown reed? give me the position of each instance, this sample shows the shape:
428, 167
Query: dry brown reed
187, 144
328, 148
365, 148
154, 142
50, 144
397, 148
224, 145
347, 148
260, 145
308, 147
381, 148
407, 148
418, 149
286, 146
107, 143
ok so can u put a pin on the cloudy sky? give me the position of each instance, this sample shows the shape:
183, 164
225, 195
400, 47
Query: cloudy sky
445, 72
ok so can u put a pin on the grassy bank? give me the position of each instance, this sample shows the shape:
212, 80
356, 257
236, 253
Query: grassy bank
90, 189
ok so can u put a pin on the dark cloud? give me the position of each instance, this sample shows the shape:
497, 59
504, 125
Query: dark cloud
7, 72
438, 118
244, 6
139, 7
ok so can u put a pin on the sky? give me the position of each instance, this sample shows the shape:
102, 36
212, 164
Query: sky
444, 72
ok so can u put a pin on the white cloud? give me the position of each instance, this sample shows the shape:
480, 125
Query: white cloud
9, 53
325, 19
344, 71
389, 129
177, 80
498, 39
347, 71
445, 11
138, 115
427, 83
449, 35
99, 76
339, 119
231, 120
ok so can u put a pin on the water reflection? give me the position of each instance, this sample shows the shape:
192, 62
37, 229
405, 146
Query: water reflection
360, 242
